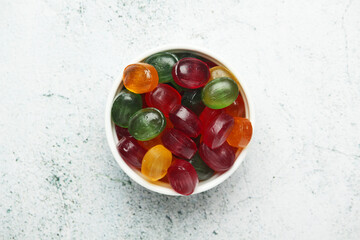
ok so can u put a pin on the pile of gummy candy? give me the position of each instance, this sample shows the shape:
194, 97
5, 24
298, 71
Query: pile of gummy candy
180, 119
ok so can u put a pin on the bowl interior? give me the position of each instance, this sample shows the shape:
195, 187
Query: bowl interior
159, 186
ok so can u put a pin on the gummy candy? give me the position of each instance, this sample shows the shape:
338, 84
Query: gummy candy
217, 130
163, 97
130, 150
163, 63
178, 143
125, 105
207, 115
219, 159
140, 78
182, 177
241, 133
191, 73
146, 124
185, 121
192, 100
121, 132
220, 93
203, 171
156, 162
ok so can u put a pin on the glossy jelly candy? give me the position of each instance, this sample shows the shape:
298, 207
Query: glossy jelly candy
241, 133
140, 78
146, 124
163, 97
182, 177
237, 108
220, 93
124, 106
185, 121
191, 73
121, 132
130, 150
192, 100
208, 114
220, 71
178, 143
163, 63
203, 171
219, 159
156, 162
217, 131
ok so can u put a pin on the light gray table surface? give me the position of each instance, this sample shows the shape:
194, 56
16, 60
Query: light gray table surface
300, 61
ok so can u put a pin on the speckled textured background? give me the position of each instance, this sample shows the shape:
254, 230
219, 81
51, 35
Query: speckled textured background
301, 63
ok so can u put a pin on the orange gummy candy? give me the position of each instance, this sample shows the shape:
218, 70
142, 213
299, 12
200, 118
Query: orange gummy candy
156, 162
241, 133
140, 78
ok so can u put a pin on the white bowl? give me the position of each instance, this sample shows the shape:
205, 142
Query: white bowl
134, 174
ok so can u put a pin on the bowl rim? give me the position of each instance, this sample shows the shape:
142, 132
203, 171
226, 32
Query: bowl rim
134, 174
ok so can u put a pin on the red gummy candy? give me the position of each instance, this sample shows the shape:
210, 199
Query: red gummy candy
121, 132
182, 177
163, 97
178, 143
208, 114
217, 130
131, 151
191, 73
219, 159
185, 120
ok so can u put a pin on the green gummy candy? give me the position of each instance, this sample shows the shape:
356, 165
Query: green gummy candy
192, 100
220, 93
124, 106
146, 124
203, 171
163, 63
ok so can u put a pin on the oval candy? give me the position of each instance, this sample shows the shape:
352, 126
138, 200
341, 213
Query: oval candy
146, 124
124, 106
220, 93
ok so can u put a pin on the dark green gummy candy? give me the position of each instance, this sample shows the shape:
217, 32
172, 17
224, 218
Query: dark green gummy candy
202, 170
192, 100
124, 106
163, 63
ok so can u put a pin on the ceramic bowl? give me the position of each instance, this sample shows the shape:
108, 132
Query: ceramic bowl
134, 174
